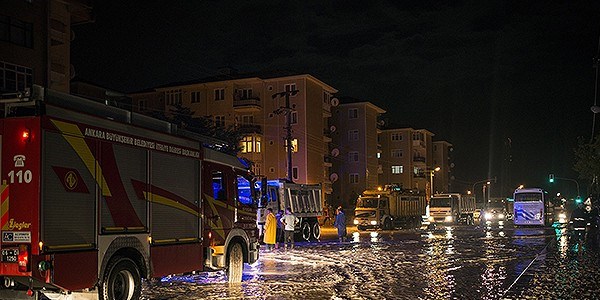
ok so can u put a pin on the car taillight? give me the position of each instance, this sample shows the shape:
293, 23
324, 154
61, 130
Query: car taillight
23, 260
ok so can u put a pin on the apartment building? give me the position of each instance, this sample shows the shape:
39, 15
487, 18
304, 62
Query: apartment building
442, 158
406, 157
355, 148
259, 106
35, 42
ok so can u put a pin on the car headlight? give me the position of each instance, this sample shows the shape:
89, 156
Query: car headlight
562, 216
355, 222
489, 216
448, 219
501, 216
373, 222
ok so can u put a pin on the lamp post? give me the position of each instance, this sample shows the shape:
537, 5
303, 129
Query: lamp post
287, 110
436, 169
482, 181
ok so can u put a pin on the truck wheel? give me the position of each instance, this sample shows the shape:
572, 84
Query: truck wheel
316, 231
121, 280
387, 224
305, 230
235, 257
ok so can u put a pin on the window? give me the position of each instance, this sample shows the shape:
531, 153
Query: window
219, 94
295, 172
244, 191
418, 136
195, 97
294, 116
173, 97
354, 178
14, 78
378, 154
353, 113
289, 87
220, 121
396, 153
256, 169
294, 145
142, 105
16, 31
326, 98
353, 156
245, 94
218, 185
250, 144
247, 120
395, 136
397, 169
353, 135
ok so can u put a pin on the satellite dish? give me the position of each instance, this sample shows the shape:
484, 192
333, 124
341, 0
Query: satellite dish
335, 152
332, 128
335, 102
333, 177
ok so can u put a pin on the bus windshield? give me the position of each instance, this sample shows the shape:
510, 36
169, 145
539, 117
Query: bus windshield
367, 202
526, 197
440, 202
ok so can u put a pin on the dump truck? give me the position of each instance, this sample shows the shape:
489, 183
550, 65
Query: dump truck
452, 208
388, 208
304, 200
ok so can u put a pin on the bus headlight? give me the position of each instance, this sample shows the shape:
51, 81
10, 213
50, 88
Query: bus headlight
373, 222
448, 219
489, 216
355, 222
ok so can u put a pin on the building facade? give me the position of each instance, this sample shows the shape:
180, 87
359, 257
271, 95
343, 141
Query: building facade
406, 158
442, 180
35, 42
259, 106
355, 148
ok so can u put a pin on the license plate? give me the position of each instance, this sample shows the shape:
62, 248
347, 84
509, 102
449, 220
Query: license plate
10, 255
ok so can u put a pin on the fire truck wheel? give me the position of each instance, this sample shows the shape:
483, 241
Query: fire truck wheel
316, 231
236, 263
121, 280
305, 230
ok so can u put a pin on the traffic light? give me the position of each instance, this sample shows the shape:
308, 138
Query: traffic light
578, 200
551, 178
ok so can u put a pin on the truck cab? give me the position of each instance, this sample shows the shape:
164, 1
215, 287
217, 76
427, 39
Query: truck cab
371, 212
451, 209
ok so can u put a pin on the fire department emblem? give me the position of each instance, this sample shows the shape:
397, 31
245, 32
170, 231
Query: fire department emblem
71, 180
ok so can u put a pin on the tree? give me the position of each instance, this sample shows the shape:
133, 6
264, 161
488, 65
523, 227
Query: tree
230, 137
587, 162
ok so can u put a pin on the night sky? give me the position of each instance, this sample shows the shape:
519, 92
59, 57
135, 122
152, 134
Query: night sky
476, 73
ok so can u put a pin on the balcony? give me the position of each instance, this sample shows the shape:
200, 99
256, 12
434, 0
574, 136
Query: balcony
249, 129
418, 143
247, 105
419, 159
327, 136
420, 175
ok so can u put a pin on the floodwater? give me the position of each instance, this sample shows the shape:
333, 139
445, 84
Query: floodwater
450, 263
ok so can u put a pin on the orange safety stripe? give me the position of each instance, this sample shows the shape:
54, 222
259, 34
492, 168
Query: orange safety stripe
4, 192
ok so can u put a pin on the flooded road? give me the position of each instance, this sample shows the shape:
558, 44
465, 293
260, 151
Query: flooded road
451, 263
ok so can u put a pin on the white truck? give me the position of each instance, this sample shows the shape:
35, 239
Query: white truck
452, 208
389, 208
304, 200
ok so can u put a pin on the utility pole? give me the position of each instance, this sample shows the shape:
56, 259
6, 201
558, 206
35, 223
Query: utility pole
287, 110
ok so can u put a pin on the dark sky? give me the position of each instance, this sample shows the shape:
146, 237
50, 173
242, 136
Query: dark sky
476, 73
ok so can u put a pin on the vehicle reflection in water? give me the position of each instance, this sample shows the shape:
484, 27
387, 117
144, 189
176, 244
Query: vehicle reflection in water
438, 265
493, 278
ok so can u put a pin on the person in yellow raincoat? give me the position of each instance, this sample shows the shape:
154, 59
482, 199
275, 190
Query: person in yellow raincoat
270, 229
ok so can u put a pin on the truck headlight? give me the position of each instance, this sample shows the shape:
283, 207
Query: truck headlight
562, 216
501, 216
431, 219
355, 222
448, 219
373, 222
489, 216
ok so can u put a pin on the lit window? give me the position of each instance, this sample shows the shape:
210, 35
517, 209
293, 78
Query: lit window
378, 154
397, 169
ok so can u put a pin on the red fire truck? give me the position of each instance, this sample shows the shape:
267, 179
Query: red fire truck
95, 198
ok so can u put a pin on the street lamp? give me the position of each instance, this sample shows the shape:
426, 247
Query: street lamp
436, 169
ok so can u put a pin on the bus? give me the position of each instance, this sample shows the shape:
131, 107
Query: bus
532, 207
